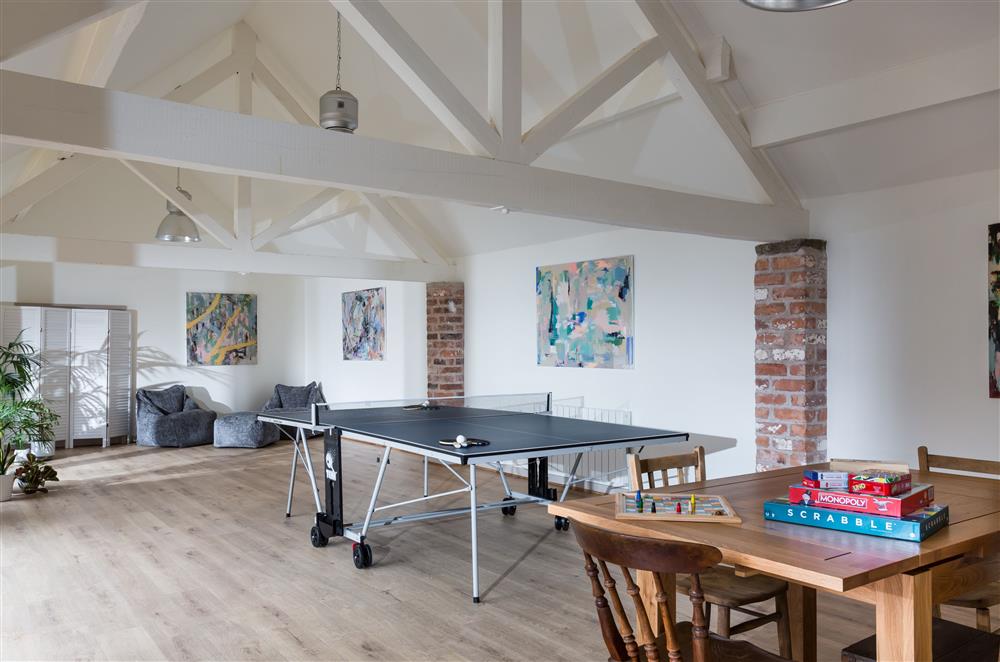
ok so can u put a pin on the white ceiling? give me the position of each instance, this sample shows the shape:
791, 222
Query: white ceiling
566, 44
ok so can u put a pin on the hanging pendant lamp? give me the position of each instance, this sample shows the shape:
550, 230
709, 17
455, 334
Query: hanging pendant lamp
792, 5
176, 225
338, 108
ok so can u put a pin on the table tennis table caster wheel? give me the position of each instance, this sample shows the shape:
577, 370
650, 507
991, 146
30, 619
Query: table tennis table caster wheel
509, 510
561, 523
362, 553
317, 538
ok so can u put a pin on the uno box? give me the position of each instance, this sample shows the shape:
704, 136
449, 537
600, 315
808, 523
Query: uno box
826, 484
881, 483
890, 506
918, 525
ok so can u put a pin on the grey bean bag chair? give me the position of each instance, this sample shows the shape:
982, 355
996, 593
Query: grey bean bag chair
171, 418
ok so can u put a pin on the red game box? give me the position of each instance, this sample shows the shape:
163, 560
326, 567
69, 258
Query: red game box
880, 483
892, 506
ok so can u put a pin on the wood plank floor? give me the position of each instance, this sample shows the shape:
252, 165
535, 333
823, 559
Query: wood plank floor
152, 554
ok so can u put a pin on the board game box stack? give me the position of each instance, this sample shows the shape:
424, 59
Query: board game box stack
862, 497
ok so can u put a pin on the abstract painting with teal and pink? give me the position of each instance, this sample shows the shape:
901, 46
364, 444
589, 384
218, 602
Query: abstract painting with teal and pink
585, 314
221, 328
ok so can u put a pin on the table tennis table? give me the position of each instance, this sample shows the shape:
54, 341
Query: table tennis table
496, 429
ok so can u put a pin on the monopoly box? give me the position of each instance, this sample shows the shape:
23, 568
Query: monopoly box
916, 526
891, 506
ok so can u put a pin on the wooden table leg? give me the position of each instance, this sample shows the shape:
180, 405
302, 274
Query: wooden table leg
644, 580
802, 621
903, 617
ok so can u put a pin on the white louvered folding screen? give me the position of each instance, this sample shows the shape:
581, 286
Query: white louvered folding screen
18, 319
119, 373
89, 375
54, 382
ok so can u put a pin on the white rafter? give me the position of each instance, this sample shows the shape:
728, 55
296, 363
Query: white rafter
245, 52
554, 126
281, 226
271, 83
326, 218
411, 236
927, 82
42, 112
26, 24
207, 80
33, 191
686, 70
162, 180
34, 248
398, 49
504, 74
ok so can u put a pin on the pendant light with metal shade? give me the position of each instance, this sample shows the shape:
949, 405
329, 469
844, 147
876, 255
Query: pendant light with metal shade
178, 226
338, 109
792, 5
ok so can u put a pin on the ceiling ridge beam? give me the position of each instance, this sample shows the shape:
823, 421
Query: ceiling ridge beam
404, 56
37, 248
504, 74
554, 126
686, 70
43, 112
163, 184
929, 81
281, 226
26, 25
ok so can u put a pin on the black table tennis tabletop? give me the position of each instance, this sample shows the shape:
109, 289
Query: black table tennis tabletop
509, 433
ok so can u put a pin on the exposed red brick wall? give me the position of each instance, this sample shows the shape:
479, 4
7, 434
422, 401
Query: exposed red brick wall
445, 339
790, 291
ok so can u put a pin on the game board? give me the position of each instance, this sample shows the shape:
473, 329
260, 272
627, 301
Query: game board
706, 507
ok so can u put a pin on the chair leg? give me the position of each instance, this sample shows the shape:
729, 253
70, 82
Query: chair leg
784, 627
723, 627
983, 619
708, 616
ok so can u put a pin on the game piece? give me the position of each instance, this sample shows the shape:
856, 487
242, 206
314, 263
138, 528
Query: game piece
638, 501
652, 506
678, 506
693, 504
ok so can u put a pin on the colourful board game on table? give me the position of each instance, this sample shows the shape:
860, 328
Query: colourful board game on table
676, 508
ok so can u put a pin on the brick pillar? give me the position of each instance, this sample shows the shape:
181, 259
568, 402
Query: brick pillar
445, 339
790, 290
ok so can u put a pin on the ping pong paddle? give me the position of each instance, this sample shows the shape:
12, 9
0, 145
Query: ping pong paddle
468, 442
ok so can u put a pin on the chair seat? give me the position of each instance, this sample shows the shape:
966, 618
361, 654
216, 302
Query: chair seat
722, 649
722, 587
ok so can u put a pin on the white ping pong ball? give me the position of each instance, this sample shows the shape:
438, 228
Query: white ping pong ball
460, 438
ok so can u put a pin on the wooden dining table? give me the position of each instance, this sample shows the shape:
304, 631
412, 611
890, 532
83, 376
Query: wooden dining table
902, 579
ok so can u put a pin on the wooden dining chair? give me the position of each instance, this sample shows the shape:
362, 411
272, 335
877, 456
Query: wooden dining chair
688, 641
721, 586
985, 595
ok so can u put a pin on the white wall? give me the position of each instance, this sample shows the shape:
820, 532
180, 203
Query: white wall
694, 335
158, 298
403, 373
907, 319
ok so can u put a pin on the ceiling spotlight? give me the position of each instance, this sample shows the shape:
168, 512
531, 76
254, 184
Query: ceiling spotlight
338, 109
792, 5
176, 225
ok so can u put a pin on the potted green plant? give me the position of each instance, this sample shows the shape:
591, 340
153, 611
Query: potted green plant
7, 454
25, 422
33, 474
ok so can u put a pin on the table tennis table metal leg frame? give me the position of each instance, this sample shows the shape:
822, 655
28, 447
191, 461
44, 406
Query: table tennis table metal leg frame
300, 453
330, 523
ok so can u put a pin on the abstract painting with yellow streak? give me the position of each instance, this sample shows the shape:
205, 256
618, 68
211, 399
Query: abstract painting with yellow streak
221, 328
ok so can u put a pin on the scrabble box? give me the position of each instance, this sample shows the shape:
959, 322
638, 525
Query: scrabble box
914, 527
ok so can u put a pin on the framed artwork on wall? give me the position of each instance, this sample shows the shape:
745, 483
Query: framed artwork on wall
221, 328
364, 324
586, 313
993, 305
